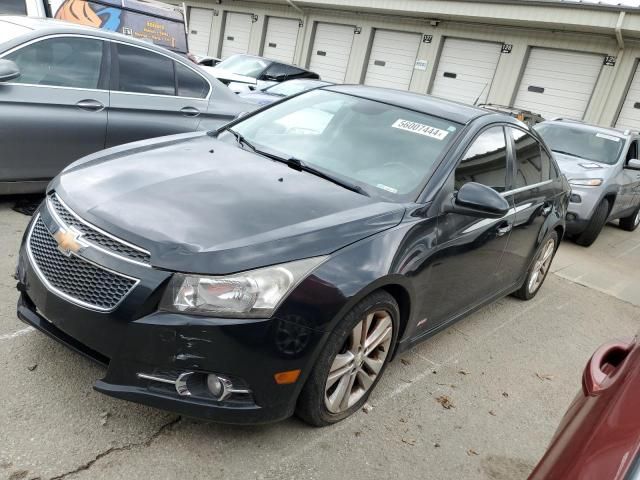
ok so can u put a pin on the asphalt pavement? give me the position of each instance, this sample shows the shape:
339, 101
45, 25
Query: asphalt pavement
480, 400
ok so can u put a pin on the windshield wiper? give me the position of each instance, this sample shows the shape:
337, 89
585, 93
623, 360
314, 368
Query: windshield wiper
301, 166
568, 153
241, 140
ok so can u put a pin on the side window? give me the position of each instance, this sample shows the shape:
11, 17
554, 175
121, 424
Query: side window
553, 170
190, 84
279, 70
142, 71
533, 164
632, 154
60, 62
485, 161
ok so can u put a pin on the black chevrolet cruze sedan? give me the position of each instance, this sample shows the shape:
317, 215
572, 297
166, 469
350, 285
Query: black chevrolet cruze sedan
278, 264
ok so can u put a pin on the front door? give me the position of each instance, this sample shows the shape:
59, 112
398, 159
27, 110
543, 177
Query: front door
56, 111
152, 95
464, 272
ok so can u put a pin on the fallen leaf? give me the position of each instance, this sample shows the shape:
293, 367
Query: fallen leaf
544, 376
436, 445
357, 434
404, 361
445, 402
31, 368
367, 408
406, 381
463, 372
492, 413
403, 420
471, 451
409, 441
505, 394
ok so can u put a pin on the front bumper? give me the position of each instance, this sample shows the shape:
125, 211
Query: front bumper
579, 212
136, 338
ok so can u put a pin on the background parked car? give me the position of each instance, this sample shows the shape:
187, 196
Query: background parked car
206, 61
604, 172
281, 90
246, 73
599, 435
525, 116
70, 90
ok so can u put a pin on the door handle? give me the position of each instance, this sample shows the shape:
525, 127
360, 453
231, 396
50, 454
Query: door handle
190, 111
503, 230
90, 105
546, 209
605, 364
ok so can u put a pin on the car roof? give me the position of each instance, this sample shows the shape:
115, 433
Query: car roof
270, 60
49, 26
591, 127
454, 111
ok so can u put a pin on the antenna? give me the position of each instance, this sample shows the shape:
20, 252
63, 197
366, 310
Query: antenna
481, 92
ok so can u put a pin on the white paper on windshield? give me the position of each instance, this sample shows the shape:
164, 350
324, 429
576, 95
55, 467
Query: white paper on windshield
387, 188
420, 128
608, 137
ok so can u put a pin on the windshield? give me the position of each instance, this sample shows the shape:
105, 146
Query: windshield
286, 89
9, 31
244, 65
388, 151
581, 142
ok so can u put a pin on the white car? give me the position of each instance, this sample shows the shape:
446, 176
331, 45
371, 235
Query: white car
248, 73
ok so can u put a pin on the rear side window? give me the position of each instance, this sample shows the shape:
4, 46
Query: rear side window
533, 164
60, 62
485, 161
190, 84
142, 71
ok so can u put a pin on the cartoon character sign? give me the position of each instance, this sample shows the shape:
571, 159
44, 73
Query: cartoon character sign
90, 14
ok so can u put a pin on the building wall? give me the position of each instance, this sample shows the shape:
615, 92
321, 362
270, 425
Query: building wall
496, 23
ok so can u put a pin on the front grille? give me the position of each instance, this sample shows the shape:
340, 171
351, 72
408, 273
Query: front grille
95, 237
80, 281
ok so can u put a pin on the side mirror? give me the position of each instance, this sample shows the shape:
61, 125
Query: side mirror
8, 70
633, 164
477, 200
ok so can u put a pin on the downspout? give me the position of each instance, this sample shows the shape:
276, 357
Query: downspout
620, 40
295, 7
618, 31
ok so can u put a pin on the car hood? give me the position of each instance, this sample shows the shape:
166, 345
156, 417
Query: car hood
201, 205
574, 167
222, 74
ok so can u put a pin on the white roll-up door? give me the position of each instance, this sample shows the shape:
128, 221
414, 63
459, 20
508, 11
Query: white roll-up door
331, 51
558, 83
237, 32
200, 20
281, 39
392, 59
465, 70
629, 116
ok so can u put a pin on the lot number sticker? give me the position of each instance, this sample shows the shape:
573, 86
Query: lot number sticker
420, 128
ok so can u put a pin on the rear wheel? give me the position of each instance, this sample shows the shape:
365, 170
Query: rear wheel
539, 269
595, 225
352, 362
631, 222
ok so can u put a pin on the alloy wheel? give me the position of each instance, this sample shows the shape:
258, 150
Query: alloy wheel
358, 364
540, 268
636, 221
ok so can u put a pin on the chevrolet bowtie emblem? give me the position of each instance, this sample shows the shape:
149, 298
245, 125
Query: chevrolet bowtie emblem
69, 241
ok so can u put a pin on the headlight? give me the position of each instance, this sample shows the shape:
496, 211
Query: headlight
586, 182
256, 293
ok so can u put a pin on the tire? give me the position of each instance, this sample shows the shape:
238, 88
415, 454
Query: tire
595, 225
320, 406
631, 222
540, 266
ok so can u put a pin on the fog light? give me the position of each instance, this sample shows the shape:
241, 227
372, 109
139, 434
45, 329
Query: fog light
214, 385
575, 198
571, 217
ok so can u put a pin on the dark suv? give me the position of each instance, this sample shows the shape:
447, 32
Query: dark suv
286, 258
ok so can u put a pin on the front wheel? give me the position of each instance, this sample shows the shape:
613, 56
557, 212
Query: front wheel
631, 222
595, 225
352, 362
539, 269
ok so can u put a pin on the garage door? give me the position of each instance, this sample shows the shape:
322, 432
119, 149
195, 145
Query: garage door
393, 56
237, 31
200, 20
558, 83
630, 114
331, 51
281, 39
465, 70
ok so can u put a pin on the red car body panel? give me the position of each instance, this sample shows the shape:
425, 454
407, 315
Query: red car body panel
599, 436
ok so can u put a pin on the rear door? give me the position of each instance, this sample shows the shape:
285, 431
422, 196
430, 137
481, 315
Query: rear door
152, 95
56, 111
629, 182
